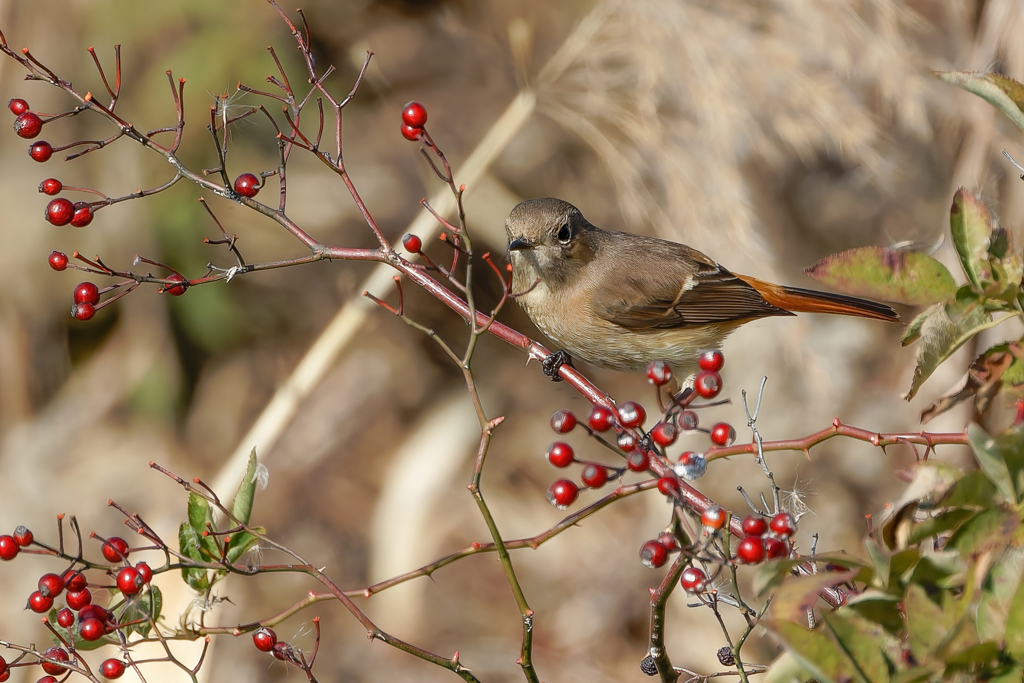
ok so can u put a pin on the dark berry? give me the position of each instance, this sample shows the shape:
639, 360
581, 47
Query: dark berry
563, 421
653, 554
601, 419
51, 186
411, 132
115, 549
754, 525
87, 292
264, 639
693, 580
51, 585
714, 517
83, 215
692, 465
648, 667
595, 476
60, 211
76, 600
22, 536
725, 656
112, 668
414, 114
688, 420
783, 525
40, 151
39, 603
60, 655
707, 384
28, 125
129, 581
664, 434
91, 629
247, 185
144, 571
712, 360
58, 260
659, 372
563, 493
560, 454
631, 414
775, 549
412, 243
65, 617
83, 311
17, 106
750, 550
669, 486
722, 434
177, 289
638, 461
9, 548
74, 580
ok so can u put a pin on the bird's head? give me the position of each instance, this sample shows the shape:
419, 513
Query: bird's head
547, 239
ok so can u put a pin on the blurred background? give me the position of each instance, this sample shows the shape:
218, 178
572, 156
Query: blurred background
767, 134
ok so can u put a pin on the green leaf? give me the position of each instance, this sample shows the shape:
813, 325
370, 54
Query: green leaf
141, 609
816, 652
878, 607
798, 594
1014, 635
971, 226
771, 574
997, 592
991, 460
864, 643
1004, 93
990, 529
198, 513
913, 331
786, 669
974, 489
915, 675
189, 545
940, 523
241, 507
1013, 674
982, 653
242, 542
1006, 266
905, 277
927, 623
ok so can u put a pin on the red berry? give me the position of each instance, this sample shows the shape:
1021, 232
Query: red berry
60, 211
58, 260
65, 617
414, 114
722, 434
91, 629
750, 550
692, 465
9, 548
51, 186
595, 476
282, 651
39, 603
87, 292
774, 548
83, 311
144, 571
693, 580
754, 525
412, 243
653, 554
74, 580
707, 384
411, 132
76, 600
688, 420
625, 441
179, 289
668, 539
783, 525
51, 585
17, 106
47, 679
669, 486
601, 419
714, 517
115, 549
129, 581
83, 215
664, 434
247, 185
631, 414
563, 421
22, 536
712, 360
560, 454
3, 666
112, 668
638, 461
93, 612
659, 372
563, 493
28, 125
264, 639
40, 151
60, 655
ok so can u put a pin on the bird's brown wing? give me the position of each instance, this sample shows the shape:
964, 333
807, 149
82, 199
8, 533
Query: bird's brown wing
685, 289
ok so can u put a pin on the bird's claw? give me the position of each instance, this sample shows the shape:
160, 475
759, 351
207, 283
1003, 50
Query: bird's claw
554, 362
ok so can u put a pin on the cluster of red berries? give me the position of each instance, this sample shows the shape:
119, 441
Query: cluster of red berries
61, 211
266, 640
414, 117
762, 539
654, 553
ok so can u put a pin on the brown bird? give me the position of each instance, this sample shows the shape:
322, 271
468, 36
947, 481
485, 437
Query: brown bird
621, 301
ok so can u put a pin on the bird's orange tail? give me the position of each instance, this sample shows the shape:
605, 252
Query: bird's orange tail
810, 301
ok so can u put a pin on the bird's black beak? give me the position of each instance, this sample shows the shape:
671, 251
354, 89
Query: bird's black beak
519, 244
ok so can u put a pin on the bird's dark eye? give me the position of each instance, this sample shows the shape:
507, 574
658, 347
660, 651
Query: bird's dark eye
564, 233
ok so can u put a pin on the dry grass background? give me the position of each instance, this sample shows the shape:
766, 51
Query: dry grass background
767, 134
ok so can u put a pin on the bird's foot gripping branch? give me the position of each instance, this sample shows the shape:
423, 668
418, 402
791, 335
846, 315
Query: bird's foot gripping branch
933, 597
